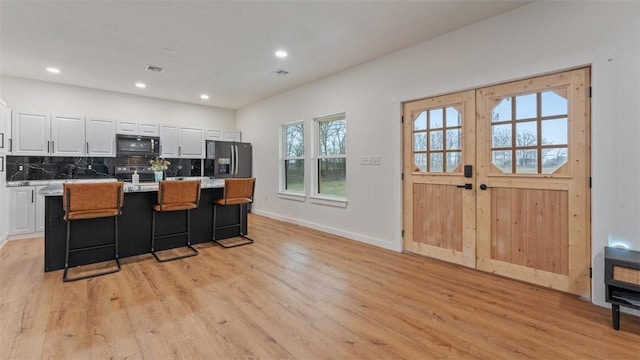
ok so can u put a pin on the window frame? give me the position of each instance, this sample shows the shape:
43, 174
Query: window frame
283, 191
316, 196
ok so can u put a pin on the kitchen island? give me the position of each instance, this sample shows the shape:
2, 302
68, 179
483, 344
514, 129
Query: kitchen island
134, 225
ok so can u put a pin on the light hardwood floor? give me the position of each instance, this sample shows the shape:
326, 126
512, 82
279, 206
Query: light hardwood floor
294, 294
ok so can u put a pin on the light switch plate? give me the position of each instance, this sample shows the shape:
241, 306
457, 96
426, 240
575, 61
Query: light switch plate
376, 160
365, 160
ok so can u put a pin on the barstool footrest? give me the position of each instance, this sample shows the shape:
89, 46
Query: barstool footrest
221, 242
111, 271
195, 252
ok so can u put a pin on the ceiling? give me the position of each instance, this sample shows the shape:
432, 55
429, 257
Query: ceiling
224, 49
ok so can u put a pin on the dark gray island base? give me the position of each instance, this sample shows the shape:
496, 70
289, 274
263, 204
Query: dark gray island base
134, 228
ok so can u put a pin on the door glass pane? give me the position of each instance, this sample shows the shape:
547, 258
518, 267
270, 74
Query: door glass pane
435, 119
526, 106
527, 134
502, 111
501, 135
420, 122
554, 132
332, 179
553, 159
420, 161
502, 159
453, 139
526, 161
454, 118
553, 104
435, 164
420, 141
435, 140
453, 160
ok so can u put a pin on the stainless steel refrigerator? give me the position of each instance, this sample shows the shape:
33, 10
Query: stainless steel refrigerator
228, 159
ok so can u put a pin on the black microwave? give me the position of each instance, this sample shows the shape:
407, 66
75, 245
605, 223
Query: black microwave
137, 145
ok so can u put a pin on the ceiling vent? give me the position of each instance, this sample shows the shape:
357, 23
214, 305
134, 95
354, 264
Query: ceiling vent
281, 72
157, 69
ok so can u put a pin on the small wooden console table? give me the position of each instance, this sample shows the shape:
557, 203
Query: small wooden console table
622, 279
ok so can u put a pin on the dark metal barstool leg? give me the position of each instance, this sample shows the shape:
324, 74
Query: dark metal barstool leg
66, 252
214, 222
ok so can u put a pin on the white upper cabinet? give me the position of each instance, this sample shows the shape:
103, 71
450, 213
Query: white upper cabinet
169, 141
58, 135
31, 134
232, 135
191, 143
213, 134
181, 142
100, 136
5, 129
148, 130
67, 136
127, 127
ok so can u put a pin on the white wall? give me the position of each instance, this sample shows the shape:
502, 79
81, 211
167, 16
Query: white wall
539, 38
39, 96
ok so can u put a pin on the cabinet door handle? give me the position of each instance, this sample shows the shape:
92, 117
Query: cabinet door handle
48, 146
87, 148
10, 145
32, 191
179, 150
52, 146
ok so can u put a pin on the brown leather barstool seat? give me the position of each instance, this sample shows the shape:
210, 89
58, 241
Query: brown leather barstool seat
176, 195
90, 201
237, 191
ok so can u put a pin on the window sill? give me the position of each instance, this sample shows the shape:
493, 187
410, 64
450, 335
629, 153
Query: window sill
292, 196
329, 201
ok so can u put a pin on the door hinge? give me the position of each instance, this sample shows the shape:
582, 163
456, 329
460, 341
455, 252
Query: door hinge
403, 233
402, 176
402, 119
589, 92
590, 273
590, 181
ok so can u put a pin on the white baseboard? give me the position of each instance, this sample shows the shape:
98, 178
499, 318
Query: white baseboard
25, 236
349, 235
3, 240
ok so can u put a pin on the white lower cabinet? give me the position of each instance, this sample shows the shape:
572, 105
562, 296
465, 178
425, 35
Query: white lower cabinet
26, 210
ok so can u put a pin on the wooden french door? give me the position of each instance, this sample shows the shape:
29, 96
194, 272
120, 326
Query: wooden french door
530, 187
439, 212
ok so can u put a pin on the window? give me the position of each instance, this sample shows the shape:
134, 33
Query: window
293, 157
331, 156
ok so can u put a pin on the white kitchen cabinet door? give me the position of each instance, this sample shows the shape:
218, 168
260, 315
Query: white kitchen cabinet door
22, 210
169, 141
5, 129
31, 134
39, 209
67, 136
232, 135
127, 127
213, 134
101, 137
191, 143
148, 130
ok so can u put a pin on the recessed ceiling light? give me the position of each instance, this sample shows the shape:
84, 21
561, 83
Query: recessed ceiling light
204, 97
53, 70
141, 85
281, 54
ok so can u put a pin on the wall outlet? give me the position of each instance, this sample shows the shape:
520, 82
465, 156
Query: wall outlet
375, 160
365, 160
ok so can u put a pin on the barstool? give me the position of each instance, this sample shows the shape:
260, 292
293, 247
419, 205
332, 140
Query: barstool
176, 195
236, 192
90, 201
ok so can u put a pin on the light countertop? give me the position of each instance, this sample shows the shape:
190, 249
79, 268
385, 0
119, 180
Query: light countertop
55, 189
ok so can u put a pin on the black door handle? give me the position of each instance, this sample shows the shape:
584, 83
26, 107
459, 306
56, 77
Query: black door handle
483, 187
466, 186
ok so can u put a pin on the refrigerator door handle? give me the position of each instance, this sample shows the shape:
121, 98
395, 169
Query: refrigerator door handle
237, 160
233, 161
